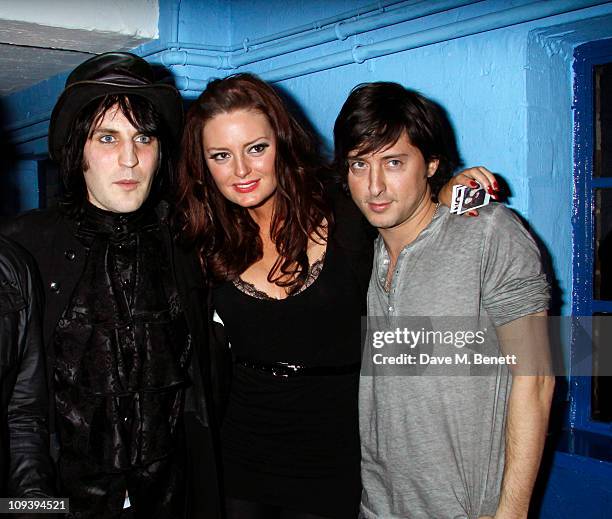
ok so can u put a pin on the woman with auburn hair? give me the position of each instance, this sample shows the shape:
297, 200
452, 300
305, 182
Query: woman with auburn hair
289, 258
289, 262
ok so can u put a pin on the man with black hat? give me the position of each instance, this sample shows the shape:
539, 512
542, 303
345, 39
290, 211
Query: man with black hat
125, 327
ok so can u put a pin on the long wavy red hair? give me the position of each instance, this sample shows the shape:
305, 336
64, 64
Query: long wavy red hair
226, 236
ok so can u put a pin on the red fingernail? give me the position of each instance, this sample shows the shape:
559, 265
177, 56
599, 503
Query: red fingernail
473, 213
473, 184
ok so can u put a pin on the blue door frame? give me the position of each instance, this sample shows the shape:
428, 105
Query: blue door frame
586, 58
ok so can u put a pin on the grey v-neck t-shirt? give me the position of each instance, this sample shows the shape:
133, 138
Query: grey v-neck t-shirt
433, 443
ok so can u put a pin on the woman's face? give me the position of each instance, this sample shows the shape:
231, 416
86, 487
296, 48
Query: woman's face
240, 151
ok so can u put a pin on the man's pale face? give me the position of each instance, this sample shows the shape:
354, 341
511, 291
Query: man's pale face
390, 185
121, 163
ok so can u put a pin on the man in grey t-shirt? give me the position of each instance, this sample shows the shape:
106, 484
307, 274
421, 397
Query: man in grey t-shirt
438, 441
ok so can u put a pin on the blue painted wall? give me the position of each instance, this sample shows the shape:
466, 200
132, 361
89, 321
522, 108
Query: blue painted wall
19, 186
578, 487
502, 69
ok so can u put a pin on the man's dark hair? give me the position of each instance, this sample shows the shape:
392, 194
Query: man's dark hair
376, 114
142, 115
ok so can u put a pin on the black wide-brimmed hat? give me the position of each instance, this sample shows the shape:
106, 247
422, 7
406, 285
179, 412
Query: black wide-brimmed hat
107, 74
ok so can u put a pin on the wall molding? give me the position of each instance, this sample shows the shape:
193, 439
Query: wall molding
232, 59
325, 32
248, 43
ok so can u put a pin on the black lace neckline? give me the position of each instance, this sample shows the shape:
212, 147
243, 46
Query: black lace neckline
251, 290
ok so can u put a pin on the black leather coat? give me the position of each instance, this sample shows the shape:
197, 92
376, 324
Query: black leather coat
26, 469
49, 235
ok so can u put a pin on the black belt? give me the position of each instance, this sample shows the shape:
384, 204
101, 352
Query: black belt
288, 369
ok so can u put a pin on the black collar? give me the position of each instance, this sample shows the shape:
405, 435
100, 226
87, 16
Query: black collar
116, 226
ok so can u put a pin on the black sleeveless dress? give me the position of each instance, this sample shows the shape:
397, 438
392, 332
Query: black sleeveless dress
292, 440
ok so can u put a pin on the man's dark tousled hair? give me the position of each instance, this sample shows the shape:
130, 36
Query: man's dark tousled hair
142, 115
376, 114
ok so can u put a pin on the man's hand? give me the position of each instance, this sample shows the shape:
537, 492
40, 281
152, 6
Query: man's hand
469, 177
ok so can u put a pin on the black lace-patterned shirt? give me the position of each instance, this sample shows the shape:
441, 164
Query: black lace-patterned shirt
121, 347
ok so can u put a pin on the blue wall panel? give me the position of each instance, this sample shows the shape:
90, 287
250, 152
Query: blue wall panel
19, 187
577, 488
206, 22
